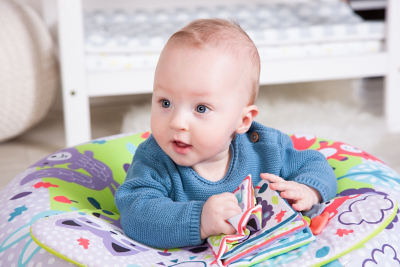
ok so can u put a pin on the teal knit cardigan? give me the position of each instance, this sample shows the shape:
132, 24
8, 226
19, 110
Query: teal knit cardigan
161, 202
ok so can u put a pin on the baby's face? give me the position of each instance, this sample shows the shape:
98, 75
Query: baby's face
198, 100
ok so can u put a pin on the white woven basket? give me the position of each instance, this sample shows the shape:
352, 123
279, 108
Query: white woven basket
28, 69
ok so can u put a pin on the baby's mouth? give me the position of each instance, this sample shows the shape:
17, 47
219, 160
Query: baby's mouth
180, 144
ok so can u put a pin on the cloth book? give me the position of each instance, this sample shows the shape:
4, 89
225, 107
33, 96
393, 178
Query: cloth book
267, 226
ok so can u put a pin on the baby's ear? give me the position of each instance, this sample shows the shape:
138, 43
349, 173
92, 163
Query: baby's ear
247, 117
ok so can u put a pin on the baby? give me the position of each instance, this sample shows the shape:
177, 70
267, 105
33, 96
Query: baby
204, 142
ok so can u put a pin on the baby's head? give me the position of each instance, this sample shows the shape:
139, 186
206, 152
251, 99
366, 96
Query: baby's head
227, 38
205, 86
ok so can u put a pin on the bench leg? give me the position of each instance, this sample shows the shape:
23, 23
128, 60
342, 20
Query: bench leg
392, 81
75, 97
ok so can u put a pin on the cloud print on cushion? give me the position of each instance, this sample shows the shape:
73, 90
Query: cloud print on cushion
358, 210
387, 256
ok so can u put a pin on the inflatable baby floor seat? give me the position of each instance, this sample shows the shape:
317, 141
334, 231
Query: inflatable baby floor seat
61, 211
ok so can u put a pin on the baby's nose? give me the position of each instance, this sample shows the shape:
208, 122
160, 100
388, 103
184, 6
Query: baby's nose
179, 122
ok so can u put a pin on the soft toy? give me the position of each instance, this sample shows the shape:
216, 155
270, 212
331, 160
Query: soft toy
74, 189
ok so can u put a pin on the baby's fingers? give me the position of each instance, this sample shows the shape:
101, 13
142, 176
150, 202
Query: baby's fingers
301, 205
231, 213
232, 209
292, 194
271, 177
282, 186
228, 229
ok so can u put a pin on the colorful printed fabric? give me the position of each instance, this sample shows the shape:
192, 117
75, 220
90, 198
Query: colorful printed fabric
258, 226
274, 244
353, 221
85, 240
288, 244
65, 182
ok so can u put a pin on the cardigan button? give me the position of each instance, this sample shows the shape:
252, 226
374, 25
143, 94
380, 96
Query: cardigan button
254, 137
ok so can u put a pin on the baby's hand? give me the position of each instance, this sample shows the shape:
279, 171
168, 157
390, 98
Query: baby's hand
300, 196
216, 211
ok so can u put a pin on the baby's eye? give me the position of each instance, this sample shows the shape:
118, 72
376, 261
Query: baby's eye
165, 103
201, 109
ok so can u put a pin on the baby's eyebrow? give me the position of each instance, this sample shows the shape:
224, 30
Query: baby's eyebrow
157, 86
195, 92
201, 93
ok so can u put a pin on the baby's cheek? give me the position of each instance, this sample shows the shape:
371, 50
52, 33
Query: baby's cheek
207, 137
216, 144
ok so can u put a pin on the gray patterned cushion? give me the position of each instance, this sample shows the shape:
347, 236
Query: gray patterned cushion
266, 24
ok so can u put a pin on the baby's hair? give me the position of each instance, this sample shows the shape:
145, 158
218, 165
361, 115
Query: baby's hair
219, 32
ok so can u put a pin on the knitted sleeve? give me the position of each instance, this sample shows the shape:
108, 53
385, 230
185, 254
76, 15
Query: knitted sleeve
308, 167
148, 215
